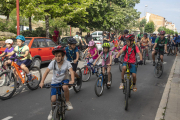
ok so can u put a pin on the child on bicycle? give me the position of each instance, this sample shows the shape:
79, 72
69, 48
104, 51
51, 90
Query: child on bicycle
60, 68
9, 49
107, 60
130, 56
72, 55
22, 51
93, 52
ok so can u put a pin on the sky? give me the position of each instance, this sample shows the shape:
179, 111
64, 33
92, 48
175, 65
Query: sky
169, 9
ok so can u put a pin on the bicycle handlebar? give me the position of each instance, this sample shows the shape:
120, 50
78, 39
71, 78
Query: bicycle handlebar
50, 86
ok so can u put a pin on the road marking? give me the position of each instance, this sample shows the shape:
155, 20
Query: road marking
8, 118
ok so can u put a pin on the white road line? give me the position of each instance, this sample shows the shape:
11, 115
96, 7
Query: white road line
8, 118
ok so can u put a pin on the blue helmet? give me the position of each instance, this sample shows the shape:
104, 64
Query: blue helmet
21, 38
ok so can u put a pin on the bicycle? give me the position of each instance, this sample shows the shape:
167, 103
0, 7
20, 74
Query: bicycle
159, 67
145, 54
8, 90
88, 69
59, 107
122, 60
101, 81
170, 49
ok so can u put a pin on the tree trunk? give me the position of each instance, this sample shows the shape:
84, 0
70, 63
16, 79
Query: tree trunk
7, 19
47, 25
30, 25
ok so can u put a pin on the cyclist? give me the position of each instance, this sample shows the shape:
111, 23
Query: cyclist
139, 36
72, 55
177, 42
9, 49
22, 51
93, 52
78, 39
107, 60
130, 49
123, 38
160, 44
153, 38
60, 68
144, 43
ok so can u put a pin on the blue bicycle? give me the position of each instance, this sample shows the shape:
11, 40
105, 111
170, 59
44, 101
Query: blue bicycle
101, 81
87, 70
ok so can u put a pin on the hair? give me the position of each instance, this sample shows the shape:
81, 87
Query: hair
62, 53
77, 33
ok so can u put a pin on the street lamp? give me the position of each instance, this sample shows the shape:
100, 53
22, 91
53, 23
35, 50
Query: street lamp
17, 12
145, 10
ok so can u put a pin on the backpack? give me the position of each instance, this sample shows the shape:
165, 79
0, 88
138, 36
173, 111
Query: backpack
77, 39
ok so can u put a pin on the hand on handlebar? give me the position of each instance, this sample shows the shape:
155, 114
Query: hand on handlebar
140, 62
41, 85
116, 60
71, 82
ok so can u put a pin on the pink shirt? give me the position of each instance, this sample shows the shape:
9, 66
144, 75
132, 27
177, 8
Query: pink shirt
132, 57
56, 33
92, 52
106, 58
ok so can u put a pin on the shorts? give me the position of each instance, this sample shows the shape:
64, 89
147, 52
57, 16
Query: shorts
132, 67
27, 62
177, 44
161, 52
53, 90
74, 66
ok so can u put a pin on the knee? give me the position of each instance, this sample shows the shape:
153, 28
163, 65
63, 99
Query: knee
134, 75
53, 98
65, 88
22, 66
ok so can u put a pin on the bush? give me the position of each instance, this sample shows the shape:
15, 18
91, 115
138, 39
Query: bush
2, 25
39, 32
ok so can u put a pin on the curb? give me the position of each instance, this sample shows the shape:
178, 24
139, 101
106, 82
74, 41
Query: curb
164, 100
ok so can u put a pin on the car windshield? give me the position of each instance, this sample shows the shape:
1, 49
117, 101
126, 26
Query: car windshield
15, 43
97, 39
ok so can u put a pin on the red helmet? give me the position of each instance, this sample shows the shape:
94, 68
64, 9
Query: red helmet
130, 37
162, 33
58, 49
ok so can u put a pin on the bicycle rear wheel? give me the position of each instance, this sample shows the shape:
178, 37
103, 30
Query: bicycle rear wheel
86, 74
37, 76
127, 91
120, 64
144, 57
7, 90
109, 86
78, 83
99, 86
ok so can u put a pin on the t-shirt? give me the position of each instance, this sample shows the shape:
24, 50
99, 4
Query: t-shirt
9, 51
153, 39
71, 54
59, 74
123, 39
139, 36
177, 39
132, 56
78, 39
56, 33
92, 52
88, 38
160, 43
20, 51
106, 58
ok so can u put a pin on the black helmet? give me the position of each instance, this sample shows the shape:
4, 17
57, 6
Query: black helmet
145, 34
72, 41
126, 31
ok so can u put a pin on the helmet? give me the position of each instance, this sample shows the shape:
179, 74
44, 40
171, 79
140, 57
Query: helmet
72, 41
162, 33
145, 34
21, 38
106, 45
154, 33
126, 31
91, 43
130, 37
10, 41
58, 49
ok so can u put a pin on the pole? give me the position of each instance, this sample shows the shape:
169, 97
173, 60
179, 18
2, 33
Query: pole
70, 30
17, 11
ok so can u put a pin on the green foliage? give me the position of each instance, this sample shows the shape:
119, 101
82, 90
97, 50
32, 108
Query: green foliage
39, 32
2, 25
143, 22
168, 31
150, 27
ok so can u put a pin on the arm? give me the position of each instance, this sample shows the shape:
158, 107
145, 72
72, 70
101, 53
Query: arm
44, 77
26, 53
72, 76
95, 53
165, 48
2, 54
155, 45
140, 56
96, 60
10, 54
77, 57
117, 56
82, 42
110, 59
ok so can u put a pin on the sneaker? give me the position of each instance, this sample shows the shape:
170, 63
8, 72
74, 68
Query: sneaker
121, 86
29, 77
154, 63
50, 115
69, 105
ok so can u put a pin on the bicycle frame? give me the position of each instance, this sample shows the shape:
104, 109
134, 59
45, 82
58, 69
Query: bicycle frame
90, 65
129, 74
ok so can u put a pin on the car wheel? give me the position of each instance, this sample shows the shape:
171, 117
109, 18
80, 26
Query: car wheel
37, 62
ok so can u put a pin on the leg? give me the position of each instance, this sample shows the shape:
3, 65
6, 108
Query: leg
122, 76
146, 49
109, 74
134, 82
161, 56
66, 92
23, 67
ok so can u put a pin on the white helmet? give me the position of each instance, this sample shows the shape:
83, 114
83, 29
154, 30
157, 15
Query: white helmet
10, 41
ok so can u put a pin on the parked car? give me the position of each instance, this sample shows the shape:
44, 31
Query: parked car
97, 34
39, 47
64, 41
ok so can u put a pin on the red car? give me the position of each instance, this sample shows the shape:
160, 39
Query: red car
39, 47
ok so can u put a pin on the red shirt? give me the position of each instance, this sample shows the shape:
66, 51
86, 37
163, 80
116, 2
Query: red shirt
132, 57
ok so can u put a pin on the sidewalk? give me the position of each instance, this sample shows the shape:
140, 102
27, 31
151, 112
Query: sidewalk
169, 107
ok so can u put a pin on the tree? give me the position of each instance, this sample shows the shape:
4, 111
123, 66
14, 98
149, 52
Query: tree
149, 27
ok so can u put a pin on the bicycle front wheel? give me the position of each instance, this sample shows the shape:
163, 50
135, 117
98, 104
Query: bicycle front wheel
158, 70
127, 91
56, 113
36, 78
7, 90
86, 74
99, 86
78, 82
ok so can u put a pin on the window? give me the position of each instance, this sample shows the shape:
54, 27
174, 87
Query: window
94, 33
41, 43
64, 41
15, 43
34, 44
50, 43
100, 33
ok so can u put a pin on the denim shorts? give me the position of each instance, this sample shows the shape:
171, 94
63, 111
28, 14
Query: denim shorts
53, 90
132, 67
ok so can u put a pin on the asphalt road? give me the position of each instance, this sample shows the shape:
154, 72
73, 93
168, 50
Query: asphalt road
143, 104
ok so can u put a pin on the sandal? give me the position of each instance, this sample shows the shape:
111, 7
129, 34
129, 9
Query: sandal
134, 89
121, 87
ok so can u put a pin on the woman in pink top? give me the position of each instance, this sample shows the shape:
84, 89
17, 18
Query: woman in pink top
107, 60
93, 52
